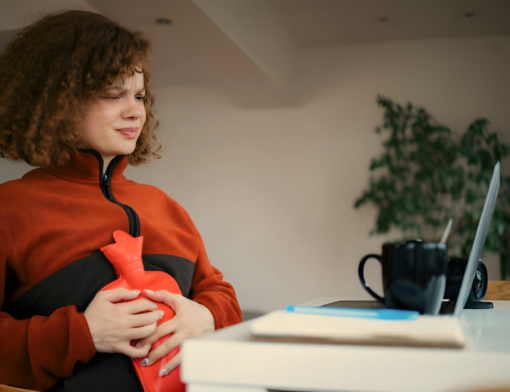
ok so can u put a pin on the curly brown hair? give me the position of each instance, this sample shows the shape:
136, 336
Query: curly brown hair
51, 69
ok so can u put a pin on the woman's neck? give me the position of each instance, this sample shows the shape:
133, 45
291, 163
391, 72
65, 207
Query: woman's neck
106, 162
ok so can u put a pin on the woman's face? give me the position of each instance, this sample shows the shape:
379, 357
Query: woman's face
114, 121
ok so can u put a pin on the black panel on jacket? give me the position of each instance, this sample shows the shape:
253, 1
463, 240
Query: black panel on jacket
76, 284
181, 269
103, 373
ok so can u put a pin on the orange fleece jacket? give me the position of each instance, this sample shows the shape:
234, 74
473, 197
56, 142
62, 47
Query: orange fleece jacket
52, 217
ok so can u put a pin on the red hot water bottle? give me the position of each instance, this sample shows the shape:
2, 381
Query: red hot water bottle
126, 257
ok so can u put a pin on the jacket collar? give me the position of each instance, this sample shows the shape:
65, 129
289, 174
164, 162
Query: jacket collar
87, 166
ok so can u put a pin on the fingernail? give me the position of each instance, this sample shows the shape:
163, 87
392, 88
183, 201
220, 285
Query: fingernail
162, 314
163, 372
145, 362
149, 291
135, 292
139, 344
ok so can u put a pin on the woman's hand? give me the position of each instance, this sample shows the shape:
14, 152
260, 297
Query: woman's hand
191, 319
113, 325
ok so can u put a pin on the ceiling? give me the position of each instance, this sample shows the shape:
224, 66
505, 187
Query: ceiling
247, 49
337, 22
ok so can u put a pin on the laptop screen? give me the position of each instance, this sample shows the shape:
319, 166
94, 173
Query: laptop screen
481, 235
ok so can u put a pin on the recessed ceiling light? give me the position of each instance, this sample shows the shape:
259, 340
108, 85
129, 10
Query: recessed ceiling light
163, 21
469, 14
383, 19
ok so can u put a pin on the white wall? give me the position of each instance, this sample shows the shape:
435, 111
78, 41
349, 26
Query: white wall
272, 191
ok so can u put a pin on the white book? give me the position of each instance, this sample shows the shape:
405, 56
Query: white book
425, 331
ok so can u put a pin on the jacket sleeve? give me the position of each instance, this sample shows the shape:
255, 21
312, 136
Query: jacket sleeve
36, 352
210, 290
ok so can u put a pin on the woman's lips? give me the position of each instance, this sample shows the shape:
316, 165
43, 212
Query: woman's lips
129, 133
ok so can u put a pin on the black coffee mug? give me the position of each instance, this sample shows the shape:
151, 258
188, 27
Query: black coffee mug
414, 275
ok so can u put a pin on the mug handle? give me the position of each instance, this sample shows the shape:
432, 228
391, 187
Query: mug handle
362, 276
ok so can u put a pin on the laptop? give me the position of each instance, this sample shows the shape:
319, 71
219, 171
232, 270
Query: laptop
481, 235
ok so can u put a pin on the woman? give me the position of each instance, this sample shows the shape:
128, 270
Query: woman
75, 100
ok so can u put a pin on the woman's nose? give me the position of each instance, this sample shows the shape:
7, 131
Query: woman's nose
134, 109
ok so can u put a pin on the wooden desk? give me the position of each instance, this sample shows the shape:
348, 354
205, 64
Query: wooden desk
227, 361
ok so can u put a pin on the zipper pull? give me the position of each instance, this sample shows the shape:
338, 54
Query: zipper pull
106, 186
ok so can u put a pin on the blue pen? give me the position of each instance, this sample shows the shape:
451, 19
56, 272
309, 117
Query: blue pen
381, 314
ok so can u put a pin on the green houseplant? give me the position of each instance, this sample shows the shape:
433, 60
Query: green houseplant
427, 174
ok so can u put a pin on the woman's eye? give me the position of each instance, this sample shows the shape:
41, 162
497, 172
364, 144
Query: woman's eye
110, 97
140, 97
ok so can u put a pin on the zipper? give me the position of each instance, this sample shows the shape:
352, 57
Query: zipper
106, 188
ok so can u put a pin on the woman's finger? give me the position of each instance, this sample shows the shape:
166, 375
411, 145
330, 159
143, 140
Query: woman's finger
137, 306
119, 294
139, 333
171, 299
170, 365
142, 319
163, 329
163, 349
130, 351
